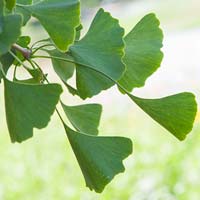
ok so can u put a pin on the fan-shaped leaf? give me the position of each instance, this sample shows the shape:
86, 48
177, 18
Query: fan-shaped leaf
176, 113
102, 49
59, 18
142, 52
100, 158
84, 118
28, 107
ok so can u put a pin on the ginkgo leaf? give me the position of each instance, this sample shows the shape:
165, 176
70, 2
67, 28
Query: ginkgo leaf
84, 118
90, 82
65, 70
142, 52
11, 32
28, 107
102, 48
176, 113
100, 158
59, 18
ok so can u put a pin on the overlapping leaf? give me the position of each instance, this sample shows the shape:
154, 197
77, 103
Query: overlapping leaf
176, 113
28, 107
26, 14
59, 18
64, 69
100, 158
142, 52
10, 33
84, 118
102, 49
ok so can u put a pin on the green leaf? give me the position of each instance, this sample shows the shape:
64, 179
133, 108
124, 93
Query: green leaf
26, 14
37, 76
11, 31
10, 4
59, 18
71, 89
28, 107
176, 113
142, 52
90, 82
102, 48
6, 61
84, 118
100, 158
24, 41
64, 69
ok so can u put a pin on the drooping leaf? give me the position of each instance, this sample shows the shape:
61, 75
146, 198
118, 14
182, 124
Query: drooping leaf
102, 49
64, 69
84, 118
59, 18
142, 52
26, 15
28, 107
11, 32
100, 158
10, 4
176, 113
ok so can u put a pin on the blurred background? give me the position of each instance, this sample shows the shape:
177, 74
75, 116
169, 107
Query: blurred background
161, 167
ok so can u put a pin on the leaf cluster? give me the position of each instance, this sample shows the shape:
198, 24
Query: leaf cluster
100, 59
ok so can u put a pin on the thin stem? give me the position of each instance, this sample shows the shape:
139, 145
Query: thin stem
14, 56
40, 48
39, 41
58, 113
24, 51
31, 63
88, 66
2, 70
15, 73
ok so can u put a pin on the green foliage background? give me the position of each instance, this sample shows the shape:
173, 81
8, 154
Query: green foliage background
160, 167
